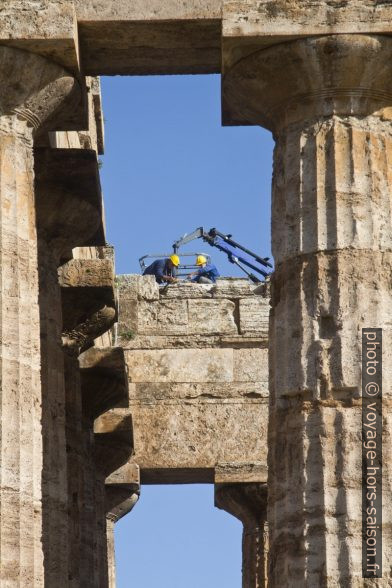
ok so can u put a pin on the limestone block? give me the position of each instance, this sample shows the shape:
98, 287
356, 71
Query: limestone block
131, 340
187, 290
113, 440
136, 287
251, 365
254, 315
231, 473
128, 37
103, 377
127, 475
211, 316
139, 10
180, 365
232, 288
47, 27
68, 198
150, 392
83, 273
183, 441
284, 19
163, 317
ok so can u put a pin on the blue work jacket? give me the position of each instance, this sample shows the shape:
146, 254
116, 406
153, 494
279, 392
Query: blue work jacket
208, 271
159, 268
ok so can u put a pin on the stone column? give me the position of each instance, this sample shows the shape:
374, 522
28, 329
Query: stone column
248, 503
33, 90
328, 101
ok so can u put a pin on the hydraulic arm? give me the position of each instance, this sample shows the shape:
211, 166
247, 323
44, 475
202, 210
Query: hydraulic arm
236, 253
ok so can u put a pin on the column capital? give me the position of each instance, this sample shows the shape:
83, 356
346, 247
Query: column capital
35, 89
312, 77
245, 501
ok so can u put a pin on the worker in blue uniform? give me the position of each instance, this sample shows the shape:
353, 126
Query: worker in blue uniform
164, 270
207, 272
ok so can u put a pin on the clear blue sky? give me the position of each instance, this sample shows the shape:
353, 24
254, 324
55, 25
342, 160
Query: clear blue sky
170, 167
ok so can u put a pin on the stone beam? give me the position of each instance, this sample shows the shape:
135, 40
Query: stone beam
155, 37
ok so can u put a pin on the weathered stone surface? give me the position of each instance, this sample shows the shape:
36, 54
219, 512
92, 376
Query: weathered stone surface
113, 440
180, 365
284, 19
69, 198
32, 90
198, 391
135, 287
104, 383
155, 37
229, 473
328, 100
138, 10
47, 27
183, 440
248, 503
251, 365
187, 290
152, 392
88, 301
330, 59
214, 317
254, 316
83, 273
232, 288
163, 317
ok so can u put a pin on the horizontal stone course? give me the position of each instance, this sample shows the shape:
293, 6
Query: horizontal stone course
198, 377
180, 365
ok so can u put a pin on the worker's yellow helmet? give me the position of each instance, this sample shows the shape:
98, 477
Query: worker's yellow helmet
175, 260
201, 260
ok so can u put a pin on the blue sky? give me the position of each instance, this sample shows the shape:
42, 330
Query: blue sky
169, 168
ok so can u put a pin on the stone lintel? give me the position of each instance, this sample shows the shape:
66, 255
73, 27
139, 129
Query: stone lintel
46, 27
249, 26
104, 381
69, 198
113, 440
231, 473
155, 37
173, 475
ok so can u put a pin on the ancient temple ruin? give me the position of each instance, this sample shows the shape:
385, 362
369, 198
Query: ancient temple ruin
78, 397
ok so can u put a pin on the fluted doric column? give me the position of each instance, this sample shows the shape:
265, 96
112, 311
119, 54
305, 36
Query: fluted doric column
328, 101
248, 503
33, 91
